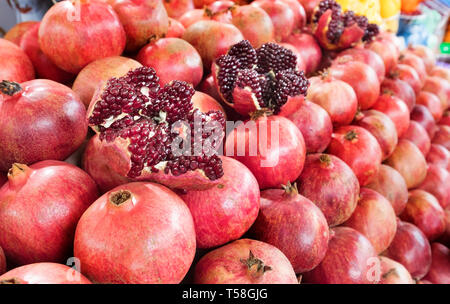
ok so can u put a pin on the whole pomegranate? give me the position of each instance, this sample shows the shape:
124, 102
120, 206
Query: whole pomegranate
208, 86
309, 6
396, 110
427, 55
442, 136
39, 119
366, 56
176, 8
17, 31
282, 16
224, 213
113, 236
423, 116
193, 16
407, 74
176, 29
331, 184
436, 71
437, 182
73, 21
414, 61
386, 50
418, 136
17, 67
440, 265
245, 261
432, 103
445, 237
393, 272
400, 89
439, 156
42, 231
440, 87
308, 48
2, 261
445, 120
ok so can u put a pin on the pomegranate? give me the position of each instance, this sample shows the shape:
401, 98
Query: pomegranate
445, 237
423, 116
176, 29
73, 21
424, 211
418, 136
440, 266
366, 56
361, 77
3, 179
172, 59
414, 61
409, 162
315, 125
97, 73
395, 109
400, 89
442, 136
16, 32
43, 273
337, 98
193, 16
437, 182
42, 231
309, 6
206, 103
2, 261
293, 224
299, 13
410, 248
436, 71
331, 185
300, 64
308, 49
40, 119
386, 50
381, 127
111, 252
432, 103
16, 66
445, 120
427, 55
440, 87
224, 213
245, 261
407, 74
176, 8
282, 15
439, 156
208, 86
393, 272
348, 260
359, 149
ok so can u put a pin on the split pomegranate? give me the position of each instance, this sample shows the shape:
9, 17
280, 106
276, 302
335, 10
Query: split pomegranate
427, 55
442, 136
440, 266
436, 71
407, 74
423, 116
396, 110
300, 64
366, 56
424, 211
42, 231
393, 272
224, 213
308, 49
282, 16
16, 32
293, 224
400, 89
245, 261
437, 182
410, 248
206, 103
176, 29
414, 61
439, 156
2, 261
440, 87
331, 184
386, 50
176, 8
39, 119
418, 136
113, 236
409, 162
432, 102
73, 21
16, 66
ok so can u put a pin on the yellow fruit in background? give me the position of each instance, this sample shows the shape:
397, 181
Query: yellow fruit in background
368, 8
389, 8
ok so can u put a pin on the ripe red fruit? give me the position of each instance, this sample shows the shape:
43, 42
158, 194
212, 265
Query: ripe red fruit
410, 248
224, 213
3, 179
2, 261
440, 266
245, 261
299, 13
418, 136
407, 74
359, 149
113, 236
331, 185
309, 6
366, 56
282, 16
432, 103
16, 66
427, 55
395, 109
193, 16
437, 182
39, 119
43, 273
47, 226
308, 49
176, 29
423, 116
442, 136
386, 50
362, 78
206, 103
440, 87
176, 8
445, 237
73, 21
414, 61
16, 32
436, 71
349, 260
300, 64
399, 89
439, 156
445, 120
409, 162
393, 272
293, 224
337, 98
208, 86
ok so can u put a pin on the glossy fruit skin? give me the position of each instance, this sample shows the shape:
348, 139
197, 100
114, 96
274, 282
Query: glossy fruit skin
111, 252
300, 19
400, 89
445, 120
46, 120
224, 213
45, 273
409, 162
293, 224
308, 48
440, 266
18, 66
423, 116
445, 237
42, 231
2, 261
278, 163
437, 182
418, 136
16, 32
315, 125
331, 184
393, 272
176, 8
440, 87
410, 248
439, 156
348, 260
172, 59
386, 50
396, 110
414, 61
282, 16
424, 211
407, 74
361, 152
175, 29
436, 71
366, 56
97, 73
86, 46
309, 6
206, 103
224, 266
432, 102
427, 55
442, 136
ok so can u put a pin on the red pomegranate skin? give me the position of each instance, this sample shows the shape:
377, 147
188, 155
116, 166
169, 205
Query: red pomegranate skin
176, 8
3, 179
423, 116
362, 78
293, 224
418, 136
225, 265
85, 46
439, 156
272, 148
331, 184
445, 237
208, 86
392, 186
224, 213
442, 136
393, 272
424, 211
335, 96
432, 103
98, 72
16, 32
159, 248
175, 29
386, 50
414, 61
315, 125
309, 6
191, 17
348, 260
172, 59
43, 66
45, 120
407, 74
2, 261
308, 49
40, 206
436, 71
440, 87
427, 55
410, 248
300, 64
206, 103
359, 149
445, 120
44, 273
396, 110
282, 16
381, 127
18, 66
437, 182
399, 89
366, 56
440, 266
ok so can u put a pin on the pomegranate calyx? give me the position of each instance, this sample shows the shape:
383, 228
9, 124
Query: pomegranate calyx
260, 113
290, 189
120, 197
351, 135
255, 266
11, 281
9, 87
325, 159
18, 174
